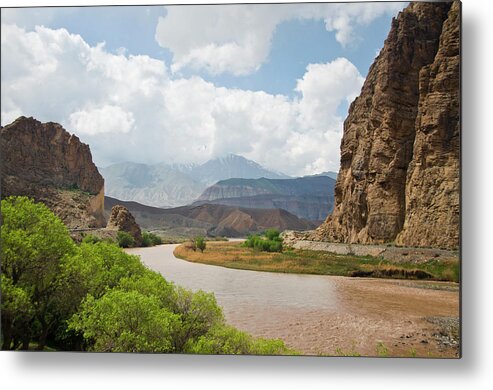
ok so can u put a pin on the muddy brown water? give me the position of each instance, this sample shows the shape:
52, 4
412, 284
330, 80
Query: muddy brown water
319, 314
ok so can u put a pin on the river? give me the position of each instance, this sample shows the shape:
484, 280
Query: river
318, 314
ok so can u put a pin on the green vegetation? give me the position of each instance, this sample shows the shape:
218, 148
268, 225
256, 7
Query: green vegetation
91, 239
200, 243
241, 256
269, 242
93, 296
125, 240
150, 239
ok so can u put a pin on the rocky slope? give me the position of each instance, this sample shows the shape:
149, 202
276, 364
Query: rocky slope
309, 197
399, 175
210, 219
44, 161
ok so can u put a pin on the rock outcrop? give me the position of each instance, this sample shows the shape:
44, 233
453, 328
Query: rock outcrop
399, 175
122, 220
45, 162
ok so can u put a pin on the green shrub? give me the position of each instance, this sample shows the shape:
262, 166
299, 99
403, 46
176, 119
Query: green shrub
150, 239
225, 339
125, 240
91, 239
264, 244
35, 246
200, 243
272, 234
126, 321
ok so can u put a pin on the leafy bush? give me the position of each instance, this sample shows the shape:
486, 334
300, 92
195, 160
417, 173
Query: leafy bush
272, 234
35, 245
271, 242
126, 321
150, 239
91, 239
228, 340
125, 240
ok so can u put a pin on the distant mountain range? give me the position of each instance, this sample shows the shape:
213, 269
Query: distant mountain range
171, 185
332, 175
309, 197
209, 219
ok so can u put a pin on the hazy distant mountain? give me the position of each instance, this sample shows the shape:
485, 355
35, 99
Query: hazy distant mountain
155, 185
231, 166
171, 185
332, 175
210, 219
309, 197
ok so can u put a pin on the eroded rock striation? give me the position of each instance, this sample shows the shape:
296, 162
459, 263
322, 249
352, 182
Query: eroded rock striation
399, 175
45, 162
121, 219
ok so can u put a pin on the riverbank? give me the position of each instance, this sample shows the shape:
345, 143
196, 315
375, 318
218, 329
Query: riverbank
301, 261
325, 315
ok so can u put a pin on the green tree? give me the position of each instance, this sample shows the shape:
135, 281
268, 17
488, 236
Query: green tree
35, 243
126, 321
198, 313
17, 313
200, 243
97, 267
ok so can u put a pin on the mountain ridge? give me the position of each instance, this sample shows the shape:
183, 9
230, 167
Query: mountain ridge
309, 197
210, 219
173, 185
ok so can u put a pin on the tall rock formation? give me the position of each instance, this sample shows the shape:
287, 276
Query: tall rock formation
45, 162
399, 176
121, 219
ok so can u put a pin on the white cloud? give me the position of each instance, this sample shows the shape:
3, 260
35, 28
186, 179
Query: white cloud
326, 86
129, 108
237, 38
105, 119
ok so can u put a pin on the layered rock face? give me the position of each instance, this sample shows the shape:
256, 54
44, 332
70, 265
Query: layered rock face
45, 162
122, 220
399, 176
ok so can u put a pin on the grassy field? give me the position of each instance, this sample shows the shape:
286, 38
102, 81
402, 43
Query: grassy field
233, 255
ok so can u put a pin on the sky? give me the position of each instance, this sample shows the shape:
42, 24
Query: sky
184, 84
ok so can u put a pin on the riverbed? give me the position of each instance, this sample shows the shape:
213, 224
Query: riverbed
319, 314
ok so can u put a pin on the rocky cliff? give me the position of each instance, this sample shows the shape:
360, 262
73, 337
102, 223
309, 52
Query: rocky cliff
399, 175
45, 162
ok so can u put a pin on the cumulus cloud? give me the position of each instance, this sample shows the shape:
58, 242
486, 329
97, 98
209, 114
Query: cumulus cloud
326, 86
130, 108
105, 119
236, 38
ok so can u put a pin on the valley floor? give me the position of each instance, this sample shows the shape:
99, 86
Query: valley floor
301, 261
